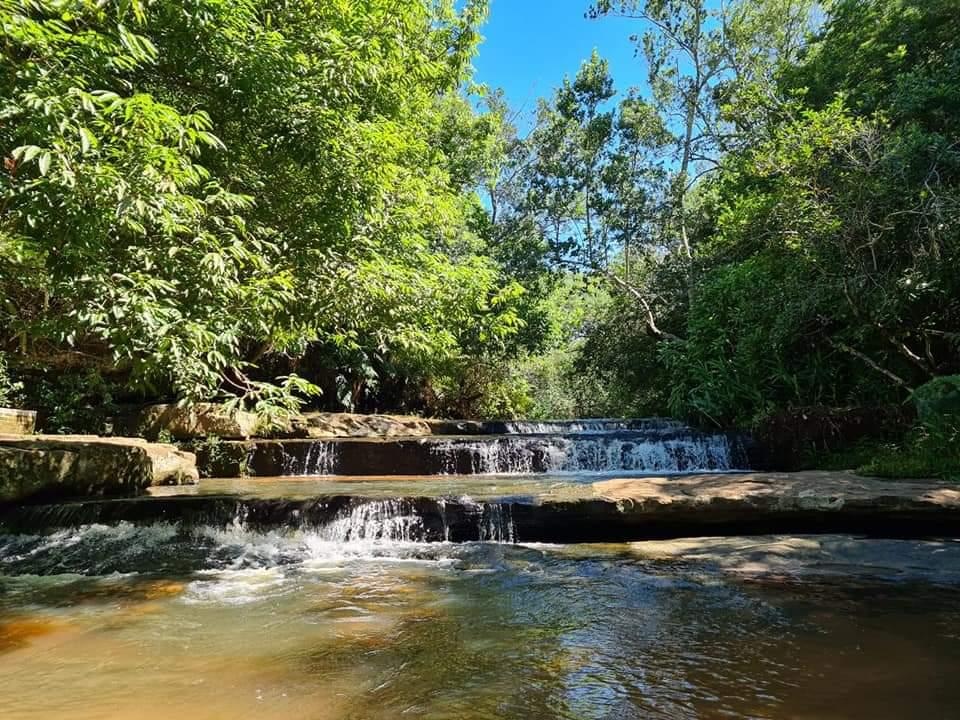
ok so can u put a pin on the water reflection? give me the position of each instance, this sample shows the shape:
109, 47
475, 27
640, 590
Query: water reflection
557, 486
232, 624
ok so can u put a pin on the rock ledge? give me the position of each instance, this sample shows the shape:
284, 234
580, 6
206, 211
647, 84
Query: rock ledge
52, 467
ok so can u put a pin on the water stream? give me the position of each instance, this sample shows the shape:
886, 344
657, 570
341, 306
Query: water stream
345, 598
158, 622
650, 445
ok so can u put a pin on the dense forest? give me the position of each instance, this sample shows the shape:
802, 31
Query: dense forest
288, 203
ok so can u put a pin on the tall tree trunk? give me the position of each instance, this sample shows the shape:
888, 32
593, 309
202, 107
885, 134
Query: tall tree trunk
684, 171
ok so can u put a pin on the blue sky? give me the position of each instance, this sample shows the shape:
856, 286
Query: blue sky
531, 44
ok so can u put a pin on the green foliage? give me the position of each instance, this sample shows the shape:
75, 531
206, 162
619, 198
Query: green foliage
10, 389
938, 402
920, 455
476, 389
897, 56
739, 360
192, 192
72, 402
275, 404
216, 454
824, 228
583, 368
132, 242
257, 200
936, 441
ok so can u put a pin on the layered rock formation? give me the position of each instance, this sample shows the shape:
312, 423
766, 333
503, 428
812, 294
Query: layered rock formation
51, 467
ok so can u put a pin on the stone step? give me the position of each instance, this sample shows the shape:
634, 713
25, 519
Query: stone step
17, 422
610, 511
201, 420
69, 466
649, 451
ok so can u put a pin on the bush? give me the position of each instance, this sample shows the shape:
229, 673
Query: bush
72, 402
938, 404
9, 389
474, 390
931, 449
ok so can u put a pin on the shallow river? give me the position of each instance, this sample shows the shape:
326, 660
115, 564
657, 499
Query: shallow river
152, 622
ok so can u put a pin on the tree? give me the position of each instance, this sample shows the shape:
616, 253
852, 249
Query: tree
706, 64
195, 193
841, 225
592, 186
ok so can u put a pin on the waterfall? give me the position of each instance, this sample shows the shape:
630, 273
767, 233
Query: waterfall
684, 454
400, 520
649, 445
496, 524
485, 456
396, 520
633, 452
320, 458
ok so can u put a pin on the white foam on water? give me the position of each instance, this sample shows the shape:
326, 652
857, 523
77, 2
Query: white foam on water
590, 425
320, 458
520, 455
236, 587
393, 520
124, 538
568, 446
497, 524
688, 454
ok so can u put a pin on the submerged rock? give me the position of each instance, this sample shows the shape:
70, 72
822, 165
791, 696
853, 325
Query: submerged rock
779, 492
78, 466
821, 555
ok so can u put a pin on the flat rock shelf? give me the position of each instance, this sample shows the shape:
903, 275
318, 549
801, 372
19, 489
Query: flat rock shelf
51, 467
607, 510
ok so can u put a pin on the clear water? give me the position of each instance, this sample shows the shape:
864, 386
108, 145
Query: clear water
158, 622
478, 487
356, 620
536, 487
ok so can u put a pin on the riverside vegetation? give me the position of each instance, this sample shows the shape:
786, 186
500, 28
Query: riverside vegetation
279, 204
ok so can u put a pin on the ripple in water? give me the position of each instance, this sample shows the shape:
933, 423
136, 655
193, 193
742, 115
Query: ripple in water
365, 623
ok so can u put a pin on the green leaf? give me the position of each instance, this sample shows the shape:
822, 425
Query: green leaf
87, 139
26, 153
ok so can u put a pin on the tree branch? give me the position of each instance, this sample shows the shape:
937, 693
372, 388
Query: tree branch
843, 347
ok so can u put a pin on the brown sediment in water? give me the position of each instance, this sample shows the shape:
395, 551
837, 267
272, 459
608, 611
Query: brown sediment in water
131, 590
536, 633
19, 631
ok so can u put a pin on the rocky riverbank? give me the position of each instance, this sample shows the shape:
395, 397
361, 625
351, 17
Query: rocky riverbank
53, 467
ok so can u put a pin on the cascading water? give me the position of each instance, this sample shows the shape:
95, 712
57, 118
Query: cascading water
114, 621
603, 425
399, 520
320, 458
496, 524
345, 511
633, 451
516, 448
385, 520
